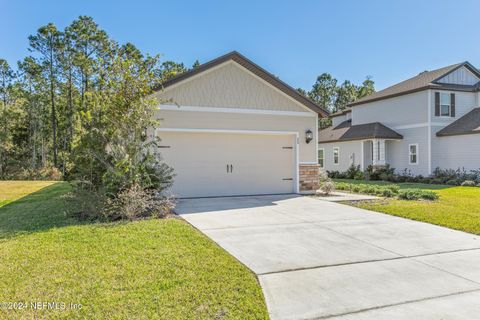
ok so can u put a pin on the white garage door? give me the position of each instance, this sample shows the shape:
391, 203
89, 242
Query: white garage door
220, 164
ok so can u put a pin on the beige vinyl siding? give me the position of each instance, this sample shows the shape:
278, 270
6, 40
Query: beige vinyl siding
453, 152
229, 85
462, 76
397, 153
231, 121
398, 111
349, 152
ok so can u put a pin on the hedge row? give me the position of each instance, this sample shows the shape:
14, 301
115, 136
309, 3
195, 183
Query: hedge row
388, 191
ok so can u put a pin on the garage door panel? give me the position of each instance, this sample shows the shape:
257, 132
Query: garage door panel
261, 163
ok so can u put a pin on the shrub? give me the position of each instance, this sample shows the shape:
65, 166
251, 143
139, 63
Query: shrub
359, 176
387, 193
137, 202
328, 187
377, 173
341, 185
44, 173
469, 183
336, 174
454, 182
416, 194
86, 202
352, 171
384, 191
322, 177
132, 203
393, 188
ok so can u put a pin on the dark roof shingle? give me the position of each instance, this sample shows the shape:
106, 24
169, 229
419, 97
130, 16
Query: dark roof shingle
346, 132
468, 124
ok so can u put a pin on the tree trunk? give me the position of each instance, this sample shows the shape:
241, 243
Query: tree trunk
54, 116
70, 111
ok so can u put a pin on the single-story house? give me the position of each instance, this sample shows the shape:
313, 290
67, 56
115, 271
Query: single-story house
230, 128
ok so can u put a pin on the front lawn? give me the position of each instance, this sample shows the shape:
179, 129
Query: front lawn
457, 207
150, 269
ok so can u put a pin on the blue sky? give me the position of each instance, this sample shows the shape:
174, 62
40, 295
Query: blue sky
295, 40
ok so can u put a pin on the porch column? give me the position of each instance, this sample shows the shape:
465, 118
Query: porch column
378, 152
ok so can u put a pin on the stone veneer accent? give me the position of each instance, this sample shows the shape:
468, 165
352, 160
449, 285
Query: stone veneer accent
309, 175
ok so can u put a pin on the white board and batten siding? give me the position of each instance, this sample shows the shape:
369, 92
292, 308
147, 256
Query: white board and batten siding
231, 133
461, 76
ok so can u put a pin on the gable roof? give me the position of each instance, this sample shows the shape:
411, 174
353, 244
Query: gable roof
346, 132
255, 69
468, 124
422, 81
341, 112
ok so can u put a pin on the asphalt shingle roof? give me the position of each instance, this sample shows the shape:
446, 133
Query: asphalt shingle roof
421, 81
346, 132
468, 124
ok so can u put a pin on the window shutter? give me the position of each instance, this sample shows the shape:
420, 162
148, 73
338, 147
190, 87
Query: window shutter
437, 104
452, 105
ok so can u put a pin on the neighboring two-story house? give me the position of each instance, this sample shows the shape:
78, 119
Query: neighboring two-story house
431, 120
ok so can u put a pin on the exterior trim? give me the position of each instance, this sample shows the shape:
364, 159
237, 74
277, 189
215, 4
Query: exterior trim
435, 87
429, 133
358, 139
456, 134
421, 125
338, 156
362, 153
253, 68
237, 110
416, 150
226, 131
323, 152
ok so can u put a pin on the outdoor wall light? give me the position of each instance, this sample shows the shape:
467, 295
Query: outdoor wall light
308, 136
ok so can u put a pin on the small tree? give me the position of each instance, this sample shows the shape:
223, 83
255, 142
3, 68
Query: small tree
116, 154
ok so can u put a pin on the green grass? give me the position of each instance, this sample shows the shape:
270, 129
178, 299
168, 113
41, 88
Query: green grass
457, 207
149, 269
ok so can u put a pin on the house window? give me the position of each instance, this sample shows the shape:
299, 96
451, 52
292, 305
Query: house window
413, 153
336, 153
445, 104
321, 157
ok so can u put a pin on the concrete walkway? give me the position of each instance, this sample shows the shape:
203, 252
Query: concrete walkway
319, 259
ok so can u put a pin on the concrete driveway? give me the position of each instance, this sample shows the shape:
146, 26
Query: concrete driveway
318, 259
